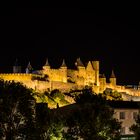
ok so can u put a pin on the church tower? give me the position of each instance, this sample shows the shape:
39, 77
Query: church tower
16, 67
112, 79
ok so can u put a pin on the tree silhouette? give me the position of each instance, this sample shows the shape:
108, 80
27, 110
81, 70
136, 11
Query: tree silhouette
93, 119
17, 106
136, 128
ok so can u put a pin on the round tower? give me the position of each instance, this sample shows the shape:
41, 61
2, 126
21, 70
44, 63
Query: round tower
63, 69
80, 66
47, 65
29, 68
16, 67
102, 82
112, 79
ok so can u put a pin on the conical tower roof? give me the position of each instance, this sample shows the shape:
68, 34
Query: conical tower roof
112, 75
29, 66
63, 64
79, 62
47, 63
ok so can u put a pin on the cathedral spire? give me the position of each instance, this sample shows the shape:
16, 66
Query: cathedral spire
79, 62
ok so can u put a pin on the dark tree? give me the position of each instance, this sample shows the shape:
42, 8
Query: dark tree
49, 124
17, 106
136, 128
93, 119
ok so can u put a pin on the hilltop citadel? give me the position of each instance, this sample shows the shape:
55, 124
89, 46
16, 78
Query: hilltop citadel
66, 79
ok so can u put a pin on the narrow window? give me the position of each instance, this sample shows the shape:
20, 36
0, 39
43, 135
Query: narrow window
122, 115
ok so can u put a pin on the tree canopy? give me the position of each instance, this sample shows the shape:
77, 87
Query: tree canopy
17, 117
93, 120
136, 128
22, 118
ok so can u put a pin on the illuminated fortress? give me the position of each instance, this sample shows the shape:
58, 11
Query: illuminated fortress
66, 79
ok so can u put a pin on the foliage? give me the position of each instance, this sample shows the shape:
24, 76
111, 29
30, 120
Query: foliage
22, 118
56, 94
136, 128
58, 97
17, 117
49, 125
112, 95
93, 119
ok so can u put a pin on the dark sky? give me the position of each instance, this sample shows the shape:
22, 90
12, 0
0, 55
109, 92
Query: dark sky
33, 34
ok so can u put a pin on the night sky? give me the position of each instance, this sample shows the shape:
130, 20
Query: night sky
34, 34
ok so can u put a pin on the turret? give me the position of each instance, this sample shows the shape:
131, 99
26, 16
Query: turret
102, 82
29, 68
96, 68
16, 67
81, 68
79, 63
90, 74
47, 65
112, 79
63, 69
63, 64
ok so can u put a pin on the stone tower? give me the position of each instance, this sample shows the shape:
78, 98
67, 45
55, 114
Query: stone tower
81, 68
112, 79
47, 65
102, 82
29, 68
63, 70
16, 67
90, 74
46, 68
96, 68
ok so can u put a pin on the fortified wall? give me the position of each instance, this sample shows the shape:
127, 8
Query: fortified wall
66, 79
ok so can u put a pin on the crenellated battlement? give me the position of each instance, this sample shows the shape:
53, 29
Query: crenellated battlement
66, 79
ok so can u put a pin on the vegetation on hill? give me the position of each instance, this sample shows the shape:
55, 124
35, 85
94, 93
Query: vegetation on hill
22, 117
112, 95
53, 98
93, 119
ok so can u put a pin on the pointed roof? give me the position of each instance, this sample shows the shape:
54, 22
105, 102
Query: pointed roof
29, 66
47, 63
63, 64
79, 62
89, 65
112, 75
